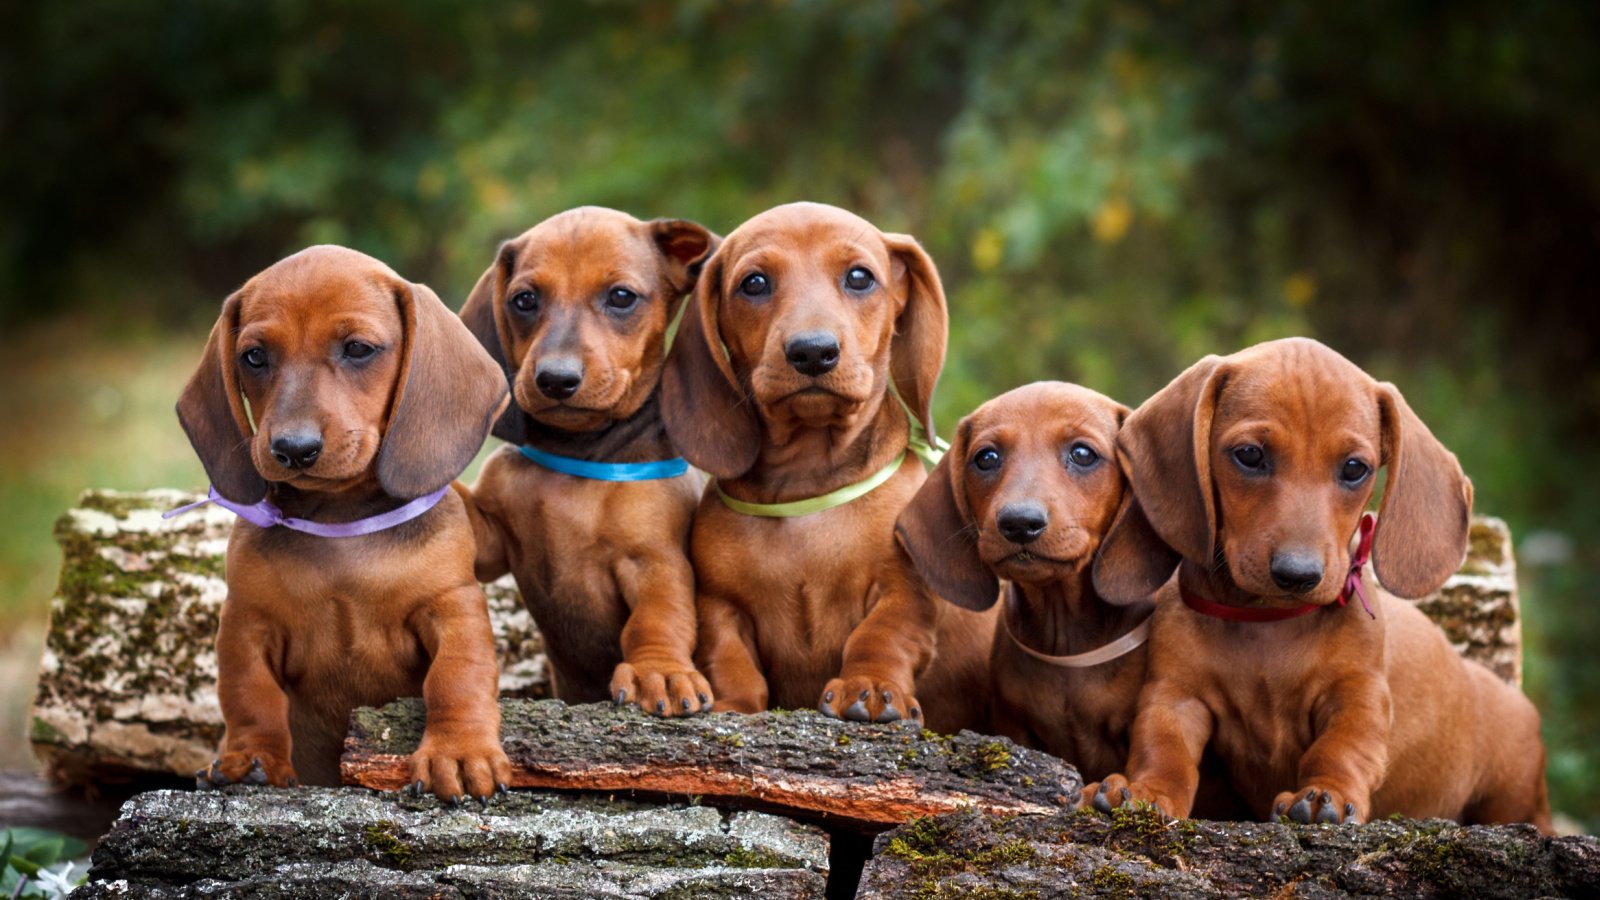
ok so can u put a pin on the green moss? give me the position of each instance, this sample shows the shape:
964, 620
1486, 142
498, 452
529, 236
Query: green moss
1142, 827
992, 756
731, 740
42, 732
1111, 882
381, 837
754, 859
843, 740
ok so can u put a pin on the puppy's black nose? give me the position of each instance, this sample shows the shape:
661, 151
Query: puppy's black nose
297, 450
1298, 572
1023, 521
558, 378
812, 352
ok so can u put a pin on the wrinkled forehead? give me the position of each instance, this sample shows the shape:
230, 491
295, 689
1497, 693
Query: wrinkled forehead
803, 231
1049, 411
1303, 387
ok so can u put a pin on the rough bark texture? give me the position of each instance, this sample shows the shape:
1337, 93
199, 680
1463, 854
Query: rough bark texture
127, 681
849, 775
1138, 854
316, 842
127, 684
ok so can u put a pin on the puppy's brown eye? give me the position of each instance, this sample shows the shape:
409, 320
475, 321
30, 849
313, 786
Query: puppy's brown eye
987, 460
358, 350
255, 358
755, 285
859, 279
1083, 456
1354, 471
621, 299
525, 301
1250, 457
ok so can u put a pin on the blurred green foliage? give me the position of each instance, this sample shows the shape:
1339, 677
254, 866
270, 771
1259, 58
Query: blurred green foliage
1112, 188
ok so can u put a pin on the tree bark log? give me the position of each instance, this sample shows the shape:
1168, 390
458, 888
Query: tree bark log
850, 775
1136, 853
319, 842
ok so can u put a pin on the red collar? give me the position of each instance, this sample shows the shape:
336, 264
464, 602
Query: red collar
1352, 585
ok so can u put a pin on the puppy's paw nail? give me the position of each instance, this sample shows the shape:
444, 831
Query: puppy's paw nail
200, 784
857, 712
501, 789
1301, 810
661, 707
916, 713
1126, 796
1326, 797
864, 695
889, 714
1277, 811
1101, 801
456, 800
888, 696
828, 696
1328, 815
827, 709
416, 788
687, 705
622, 697
1350, 814
292, 782
256, 775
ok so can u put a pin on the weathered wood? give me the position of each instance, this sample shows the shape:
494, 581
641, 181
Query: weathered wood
127, 682
317, 842
1136, 853
846, 774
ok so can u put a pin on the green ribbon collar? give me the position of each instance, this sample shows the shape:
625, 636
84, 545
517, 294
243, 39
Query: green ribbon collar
930, 452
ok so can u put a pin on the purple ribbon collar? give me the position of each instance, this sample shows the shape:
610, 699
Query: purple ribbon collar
265, 515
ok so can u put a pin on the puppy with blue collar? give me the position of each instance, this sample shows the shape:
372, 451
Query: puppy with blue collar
590, 505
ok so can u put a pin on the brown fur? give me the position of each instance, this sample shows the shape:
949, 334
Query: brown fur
312, 626
1332, 716
602, 566
820, 610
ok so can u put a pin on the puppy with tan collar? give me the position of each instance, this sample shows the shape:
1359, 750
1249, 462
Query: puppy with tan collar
590, 506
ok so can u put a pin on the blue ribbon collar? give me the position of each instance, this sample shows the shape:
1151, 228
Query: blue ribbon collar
604, 471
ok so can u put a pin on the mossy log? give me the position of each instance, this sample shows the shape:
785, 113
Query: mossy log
849, 775
317, 842
1137, 853
127, 682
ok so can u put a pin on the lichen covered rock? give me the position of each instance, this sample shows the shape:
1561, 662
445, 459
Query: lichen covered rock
263, 842
127, 682
1137, 853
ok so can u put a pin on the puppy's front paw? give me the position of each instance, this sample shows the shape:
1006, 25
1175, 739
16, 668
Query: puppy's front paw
453, 769
239, 767
864, 699
1315, 804
664, 689
1117, 791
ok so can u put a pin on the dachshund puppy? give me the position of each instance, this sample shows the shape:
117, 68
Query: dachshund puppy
590, 508
340, 400
1327, 698
1027, 491
782, 384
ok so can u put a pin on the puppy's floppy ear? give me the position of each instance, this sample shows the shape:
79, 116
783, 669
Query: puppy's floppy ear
448, 391
937, 532
1427, 504
212, 413
685, 246
1133, 561
484, 315
916, 356
1165, 450
707, 413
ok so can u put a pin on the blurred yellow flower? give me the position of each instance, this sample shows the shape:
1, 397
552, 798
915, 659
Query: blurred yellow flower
1111, 220
988, 247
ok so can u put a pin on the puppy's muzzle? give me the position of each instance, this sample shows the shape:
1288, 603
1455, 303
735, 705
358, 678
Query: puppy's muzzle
812, 353
558, 378
297, 449
1023, 521
1296, 572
